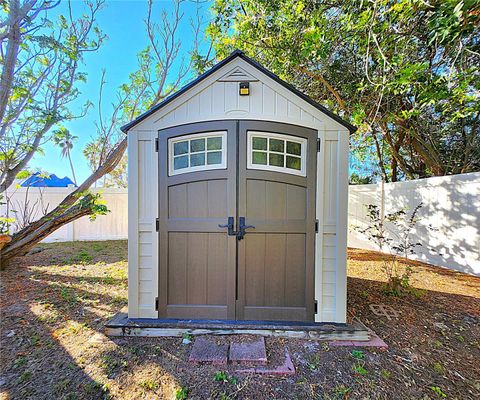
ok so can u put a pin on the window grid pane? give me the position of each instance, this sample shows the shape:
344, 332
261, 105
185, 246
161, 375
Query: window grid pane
197, 153
276, 152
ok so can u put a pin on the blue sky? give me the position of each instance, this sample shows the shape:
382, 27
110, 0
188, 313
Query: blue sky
123, 23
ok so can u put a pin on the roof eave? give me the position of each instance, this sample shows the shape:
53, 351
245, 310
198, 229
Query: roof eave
238, 53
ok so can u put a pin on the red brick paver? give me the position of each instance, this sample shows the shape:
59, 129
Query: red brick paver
250, 352
205, 350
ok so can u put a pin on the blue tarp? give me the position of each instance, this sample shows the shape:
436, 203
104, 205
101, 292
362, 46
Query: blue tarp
40, 180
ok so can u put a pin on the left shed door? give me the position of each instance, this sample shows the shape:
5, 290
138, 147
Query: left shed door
197, 194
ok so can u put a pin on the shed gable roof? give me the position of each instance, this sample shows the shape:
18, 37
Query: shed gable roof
236, 72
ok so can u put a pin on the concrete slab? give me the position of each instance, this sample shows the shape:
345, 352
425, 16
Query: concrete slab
121, 325
287, 368
207, 351
374, 341
249, 352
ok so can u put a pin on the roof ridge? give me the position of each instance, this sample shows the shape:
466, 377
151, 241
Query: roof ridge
238, 53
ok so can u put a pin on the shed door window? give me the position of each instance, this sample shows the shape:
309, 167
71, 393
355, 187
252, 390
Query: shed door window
197, 152
276, 152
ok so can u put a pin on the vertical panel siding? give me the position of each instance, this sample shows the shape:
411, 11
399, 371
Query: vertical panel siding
143, 241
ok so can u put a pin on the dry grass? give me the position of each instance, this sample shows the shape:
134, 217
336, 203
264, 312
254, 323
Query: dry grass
54, 304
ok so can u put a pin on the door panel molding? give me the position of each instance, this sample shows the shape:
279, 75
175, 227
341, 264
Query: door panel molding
280, 282
196, 226
279, 234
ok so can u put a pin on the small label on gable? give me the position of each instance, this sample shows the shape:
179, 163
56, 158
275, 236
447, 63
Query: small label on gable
237, 75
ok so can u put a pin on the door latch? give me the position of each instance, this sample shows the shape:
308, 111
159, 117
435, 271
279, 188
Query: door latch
241, 228
230, 225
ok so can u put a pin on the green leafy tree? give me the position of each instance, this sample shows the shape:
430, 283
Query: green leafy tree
64, 139
162, 68
404, 71
41, 63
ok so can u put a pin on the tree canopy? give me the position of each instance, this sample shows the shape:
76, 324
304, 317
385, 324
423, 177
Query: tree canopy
404, 71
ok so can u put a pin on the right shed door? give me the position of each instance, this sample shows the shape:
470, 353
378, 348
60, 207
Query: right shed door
276, 198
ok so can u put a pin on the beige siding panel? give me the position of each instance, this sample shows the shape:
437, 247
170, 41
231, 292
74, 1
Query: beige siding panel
329, 265
329, 252
146, 283
145, 237
231, 102
281, 106
144, 179
328, 315
133, 256
206, 101
329, 303
294, 111
330, 200
145, 274
145, 249
181, 113
145, 299
329, 240
328, 290
268, 101
328, 277
193, 106
256, 97
305, 116
146, 262
218, 98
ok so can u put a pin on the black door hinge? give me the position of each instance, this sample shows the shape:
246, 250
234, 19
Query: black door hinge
156, 145
316, 226
318, 145
156, 303
157, 225
315, 307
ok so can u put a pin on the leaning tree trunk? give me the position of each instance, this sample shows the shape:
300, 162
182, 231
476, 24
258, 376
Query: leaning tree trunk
67, 211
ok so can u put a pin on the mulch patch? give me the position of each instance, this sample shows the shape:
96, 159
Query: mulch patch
54, 304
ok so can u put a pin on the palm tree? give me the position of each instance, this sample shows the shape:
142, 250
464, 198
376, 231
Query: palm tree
64, 139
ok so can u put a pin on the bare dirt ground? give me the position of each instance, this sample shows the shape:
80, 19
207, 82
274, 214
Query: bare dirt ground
54, 304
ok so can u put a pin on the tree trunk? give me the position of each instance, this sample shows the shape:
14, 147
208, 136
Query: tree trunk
19, 247
14, 39
67, 211
71, 167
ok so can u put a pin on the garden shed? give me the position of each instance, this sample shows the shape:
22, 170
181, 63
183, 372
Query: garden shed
238, 202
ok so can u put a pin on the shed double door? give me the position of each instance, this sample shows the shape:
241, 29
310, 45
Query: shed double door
236, 234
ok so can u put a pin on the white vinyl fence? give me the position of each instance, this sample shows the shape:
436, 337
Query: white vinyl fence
34, 201
451, 206
449, 225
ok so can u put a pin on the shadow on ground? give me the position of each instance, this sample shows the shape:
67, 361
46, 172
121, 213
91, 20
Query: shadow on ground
57, 311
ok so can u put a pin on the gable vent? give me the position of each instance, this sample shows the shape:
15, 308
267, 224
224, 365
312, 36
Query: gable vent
237, 75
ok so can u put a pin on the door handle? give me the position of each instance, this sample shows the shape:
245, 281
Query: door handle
241, 228
230, 225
